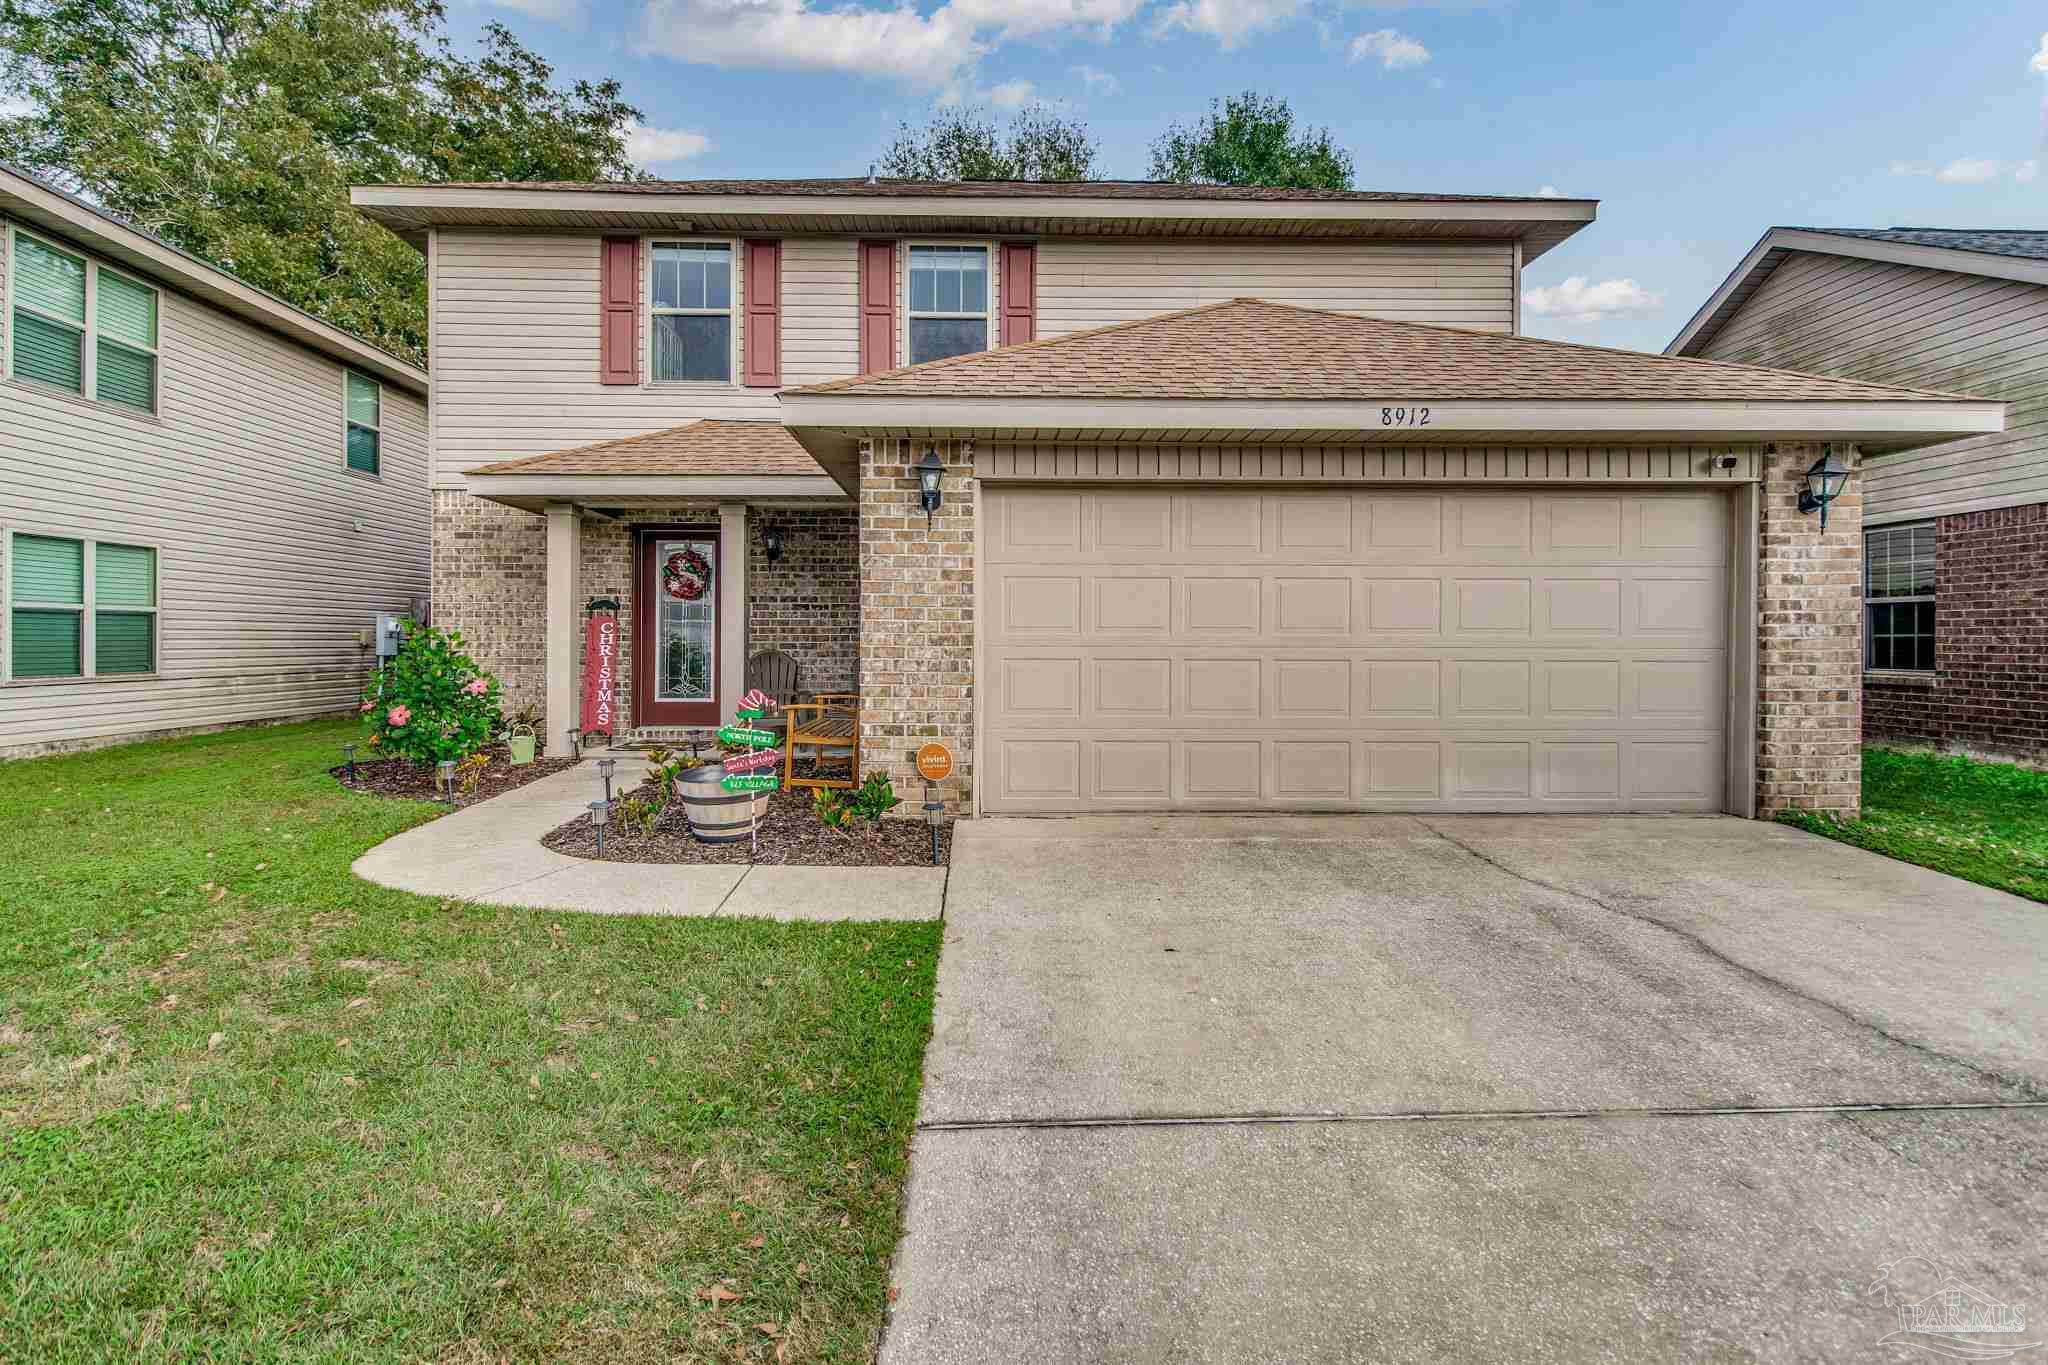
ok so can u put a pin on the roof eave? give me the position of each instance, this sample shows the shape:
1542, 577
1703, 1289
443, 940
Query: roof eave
530, 492
1773, 246
1877, 426
42, 208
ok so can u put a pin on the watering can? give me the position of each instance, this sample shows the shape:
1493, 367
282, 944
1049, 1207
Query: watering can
520, 745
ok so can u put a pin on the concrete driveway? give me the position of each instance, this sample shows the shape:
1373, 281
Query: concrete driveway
1391, 1088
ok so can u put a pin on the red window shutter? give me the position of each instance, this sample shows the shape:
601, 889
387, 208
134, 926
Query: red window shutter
764, 315
1020, 292
877, 307
618, 307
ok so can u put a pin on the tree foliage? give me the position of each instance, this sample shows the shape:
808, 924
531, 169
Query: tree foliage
1250, 139
431, 702
233, 128
965, 144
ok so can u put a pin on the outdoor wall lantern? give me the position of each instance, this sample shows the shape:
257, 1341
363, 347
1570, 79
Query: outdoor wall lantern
771, 543
1824, 483
929, 472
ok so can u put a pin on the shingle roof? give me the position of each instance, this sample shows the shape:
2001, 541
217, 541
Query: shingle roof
994, 189
1249, 348
707, 447
2027, 244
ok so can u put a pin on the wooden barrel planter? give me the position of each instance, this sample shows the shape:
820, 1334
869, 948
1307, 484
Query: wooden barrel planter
718, 816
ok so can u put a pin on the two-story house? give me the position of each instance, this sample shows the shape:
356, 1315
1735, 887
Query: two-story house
1238, 498
207, 496
1955, 609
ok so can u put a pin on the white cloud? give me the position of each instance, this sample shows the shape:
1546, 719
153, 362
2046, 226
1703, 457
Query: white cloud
555, 11
929, 51
1098, 81
1550, 192
2026, 171
2040, 60
1967, 170
1577, 301
663, 146
1009, 94
1229, 22
1395, 50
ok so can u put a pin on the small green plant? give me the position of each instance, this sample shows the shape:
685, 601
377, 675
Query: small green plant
830, 808
471, 771
528, 715
667, 766
640, 812
431, 702
876, 797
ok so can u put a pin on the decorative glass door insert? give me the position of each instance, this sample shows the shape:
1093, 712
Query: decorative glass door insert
677, 672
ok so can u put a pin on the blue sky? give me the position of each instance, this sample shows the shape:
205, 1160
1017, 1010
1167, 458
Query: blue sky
1697, 126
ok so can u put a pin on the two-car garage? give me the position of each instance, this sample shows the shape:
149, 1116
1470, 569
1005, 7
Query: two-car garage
1499, 648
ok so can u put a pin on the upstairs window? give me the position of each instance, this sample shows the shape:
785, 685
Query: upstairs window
1898, 598
365, 438
948, 301
59, 628
691, 289
81, 327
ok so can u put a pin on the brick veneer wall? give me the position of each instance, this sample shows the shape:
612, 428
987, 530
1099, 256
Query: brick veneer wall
490, 582
916, 619
1809, 644
1989, 692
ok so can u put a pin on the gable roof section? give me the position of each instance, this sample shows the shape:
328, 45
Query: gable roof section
709, 448
1250, 347
1996, 253
42, 207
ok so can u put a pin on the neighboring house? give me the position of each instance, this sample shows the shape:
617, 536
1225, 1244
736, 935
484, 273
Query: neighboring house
1955, 638
206, 495
1250, 498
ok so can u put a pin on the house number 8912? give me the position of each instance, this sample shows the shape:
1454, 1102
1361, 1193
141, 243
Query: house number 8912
1404, 417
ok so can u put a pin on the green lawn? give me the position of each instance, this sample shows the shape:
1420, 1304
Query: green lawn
1984, 822
254, 1109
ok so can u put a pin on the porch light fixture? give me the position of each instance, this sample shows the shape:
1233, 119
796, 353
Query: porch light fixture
771, 543
1824, 483
929, 472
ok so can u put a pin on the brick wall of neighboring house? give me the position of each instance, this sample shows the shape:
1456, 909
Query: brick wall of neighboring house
916, 619
1989, 691
490, 582
1809, 644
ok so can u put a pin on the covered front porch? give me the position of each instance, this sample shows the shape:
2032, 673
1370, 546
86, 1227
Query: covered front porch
715, 543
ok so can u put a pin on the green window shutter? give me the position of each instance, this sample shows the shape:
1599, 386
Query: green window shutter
124, 642
46, 644
124, 576
48, 280
47, 569
127, 311
125, 375
48, 351
362, 449
363, 401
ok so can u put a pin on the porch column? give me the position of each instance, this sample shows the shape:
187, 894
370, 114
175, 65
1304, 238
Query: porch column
563, 557
732, 607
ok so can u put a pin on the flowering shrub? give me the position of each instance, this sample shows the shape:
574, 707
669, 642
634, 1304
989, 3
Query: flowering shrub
431, 702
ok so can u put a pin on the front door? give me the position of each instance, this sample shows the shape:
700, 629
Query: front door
675, 652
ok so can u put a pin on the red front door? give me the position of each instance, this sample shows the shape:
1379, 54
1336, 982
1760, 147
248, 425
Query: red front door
675, 650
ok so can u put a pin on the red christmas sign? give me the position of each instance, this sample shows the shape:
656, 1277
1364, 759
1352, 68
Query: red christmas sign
600, 673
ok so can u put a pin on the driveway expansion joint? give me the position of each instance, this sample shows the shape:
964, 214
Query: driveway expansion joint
1472, 1115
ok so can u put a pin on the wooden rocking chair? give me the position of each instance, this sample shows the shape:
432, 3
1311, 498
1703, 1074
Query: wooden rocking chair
781, 677
829, 726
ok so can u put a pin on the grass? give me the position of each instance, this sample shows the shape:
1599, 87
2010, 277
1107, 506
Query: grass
1983, 822
254, 1109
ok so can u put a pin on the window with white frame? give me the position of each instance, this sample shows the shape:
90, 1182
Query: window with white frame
1898, 597
79, 608
364, 439
948, 301
80, 326
690, 306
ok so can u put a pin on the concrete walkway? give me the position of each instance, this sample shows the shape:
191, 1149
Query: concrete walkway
492, 852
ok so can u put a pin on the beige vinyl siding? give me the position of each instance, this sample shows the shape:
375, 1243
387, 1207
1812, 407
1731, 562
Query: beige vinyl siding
820, 310
264, 583
1094, 284
1931, 329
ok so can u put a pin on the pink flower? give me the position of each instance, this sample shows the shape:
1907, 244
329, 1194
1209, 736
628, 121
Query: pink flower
477, 687
364, 709
398, 715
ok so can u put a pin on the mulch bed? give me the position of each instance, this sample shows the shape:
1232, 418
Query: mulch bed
398, 777
790, 834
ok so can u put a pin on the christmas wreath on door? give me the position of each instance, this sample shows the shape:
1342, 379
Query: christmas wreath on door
686, 575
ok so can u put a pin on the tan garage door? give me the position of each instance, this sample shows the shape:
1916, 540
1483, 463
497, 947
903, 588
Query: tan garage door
1514, 649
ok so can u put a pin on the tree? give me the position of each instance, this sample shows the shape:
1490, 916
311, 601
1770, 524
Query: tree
233, 129
964, 144
1250, 139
